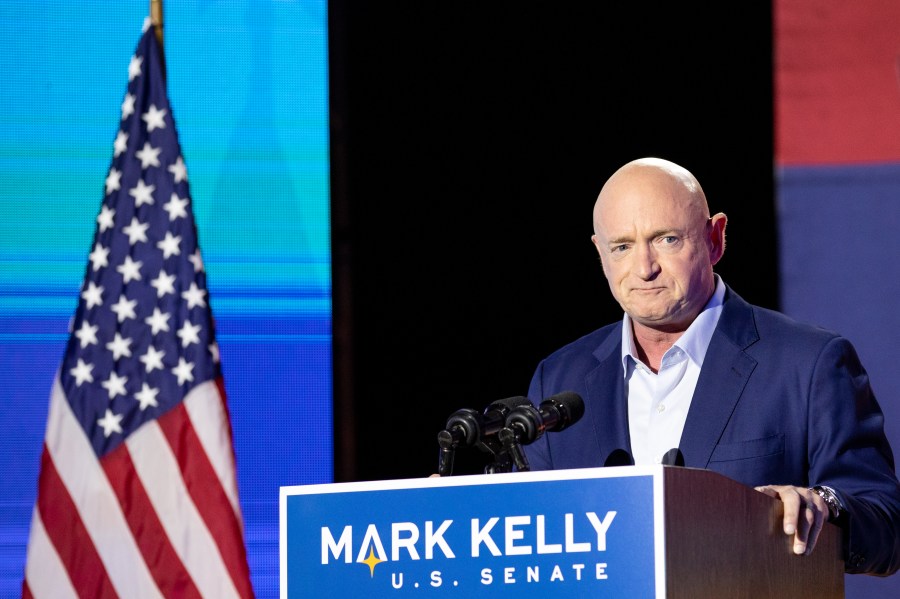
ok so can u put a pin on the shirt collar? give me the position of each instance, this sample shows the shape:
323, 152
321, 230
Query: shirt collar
694, 341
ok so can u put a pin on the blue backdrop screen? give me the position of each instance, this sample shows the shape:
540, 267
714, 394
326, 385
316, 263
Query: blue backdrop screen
248, 84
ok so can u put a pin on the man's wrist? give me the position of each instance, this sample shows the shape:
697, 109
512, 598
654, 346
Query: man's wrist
831, 500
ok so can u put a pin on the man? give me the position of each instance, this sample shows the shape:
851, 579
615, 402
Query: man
744, 391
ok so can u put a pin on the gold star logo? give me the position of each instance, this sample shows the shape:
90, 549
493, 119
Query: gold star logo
372, 561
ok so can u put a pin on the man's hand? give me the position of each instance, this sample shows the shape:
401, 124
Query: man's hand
804, 514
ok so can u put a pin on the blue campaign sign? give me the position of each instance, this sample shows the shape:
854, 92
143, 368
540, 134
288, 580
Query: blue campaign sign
576, 533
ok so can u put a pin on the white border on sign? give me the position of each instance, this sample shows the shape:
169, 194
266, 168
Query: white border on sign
656, 471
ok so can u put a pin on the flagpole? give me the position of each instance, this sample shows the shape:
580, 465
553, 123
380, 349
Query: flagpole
156, 19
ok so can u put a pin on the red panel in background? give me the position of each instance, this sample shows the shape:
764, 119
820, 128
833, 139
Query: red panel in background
837, 81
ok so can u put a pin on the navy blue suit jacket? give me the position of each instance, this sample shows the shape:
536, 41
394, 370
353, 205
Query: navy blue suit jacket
777, 402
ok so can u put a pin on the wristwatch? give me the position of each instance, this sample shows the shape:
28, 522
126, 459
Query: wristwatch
831, 500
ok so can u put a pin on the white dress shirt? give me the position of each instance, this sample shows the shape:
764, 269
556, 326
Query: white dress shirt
658, 403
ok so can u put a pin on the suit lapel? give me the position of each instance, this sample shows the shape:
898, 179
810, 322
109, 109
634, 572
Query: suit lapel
606, 392
723, 377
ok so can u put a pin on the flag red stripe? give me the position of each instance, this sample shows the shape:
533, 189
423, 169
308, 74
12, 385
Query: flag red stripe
68, 534
26, 592
165, 566
220, 385
212, 503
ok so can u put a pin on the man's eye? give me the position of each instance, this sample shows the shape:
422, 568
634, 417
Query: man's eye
670, 239
616, 249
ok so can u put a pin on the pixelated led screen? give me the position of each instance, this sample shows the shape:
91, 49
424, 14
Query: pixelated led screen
248, 84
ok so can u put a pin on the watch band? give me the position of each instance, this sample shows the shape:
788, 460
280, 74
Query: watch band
830, 498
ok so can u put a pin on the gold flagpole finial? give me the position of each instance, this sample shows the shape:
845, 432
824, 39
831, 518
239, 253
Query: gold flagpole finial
156, 18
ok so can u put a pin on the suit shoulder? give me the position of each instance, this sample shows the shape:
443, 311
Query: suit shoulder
603, 339
796, 342
776, 324
748, 324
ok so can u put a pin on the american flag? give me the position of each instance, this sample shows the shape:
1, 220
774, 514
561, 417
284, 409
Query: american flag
137, 495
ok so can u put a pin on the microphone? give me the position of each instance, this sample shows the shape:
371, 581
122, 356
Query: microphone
496, 413
618, 457
467, 427
492, 440
673, 457
555, 413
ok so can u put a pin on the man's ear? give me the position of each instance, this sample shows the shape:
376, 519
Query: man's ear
596, 242
716, 230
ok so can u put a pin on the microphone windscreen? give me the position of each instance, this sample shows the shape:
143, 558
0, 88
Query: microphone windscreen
673, 457
571, 407
618, 457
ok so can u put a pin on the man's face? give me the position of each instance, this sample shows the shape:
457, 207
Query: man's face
657, 247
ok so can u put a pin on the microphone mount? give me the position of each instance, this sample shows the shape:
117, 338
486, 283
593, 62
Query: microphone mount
526, 424
468, 427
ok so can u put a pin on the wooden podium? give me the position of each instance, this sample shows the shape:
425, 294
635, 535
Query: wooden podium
639, 531
726, 540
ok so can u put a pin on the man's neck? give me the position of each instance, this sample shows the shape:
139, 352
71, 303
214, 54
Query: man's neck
651, 344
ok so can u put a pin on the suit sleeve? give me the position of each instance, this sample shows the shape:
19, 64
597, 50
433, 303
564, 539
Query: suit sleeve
849, 452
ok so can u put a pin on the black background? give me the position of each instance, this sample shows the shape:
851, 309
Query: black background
469, 142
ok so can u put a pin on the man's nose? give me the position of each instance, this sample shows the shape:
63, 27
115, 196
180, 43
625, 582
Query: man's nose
645, 264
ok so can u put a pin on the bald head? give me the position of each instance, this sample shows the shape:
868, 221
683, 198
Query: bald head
658, 243
646, 174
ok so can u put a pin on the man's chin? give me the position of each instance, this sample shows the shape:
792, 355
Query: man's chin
663, 321
650, 313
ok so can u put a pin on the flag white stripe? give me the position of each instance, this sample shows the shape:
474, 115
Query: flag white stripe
205, 408
44, 571
160, 474
95, 500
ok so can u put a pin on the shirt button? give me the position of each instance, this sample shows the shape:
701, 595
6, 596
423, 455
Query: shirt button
661, 408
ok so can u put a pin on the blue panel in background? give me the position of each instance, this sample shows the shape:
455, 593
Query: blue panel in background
839, 254
248, 84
